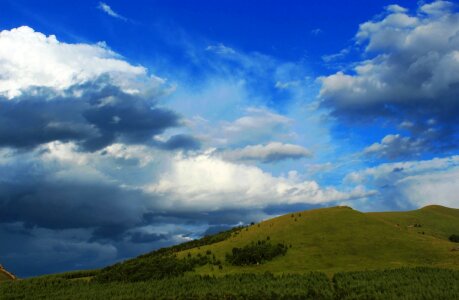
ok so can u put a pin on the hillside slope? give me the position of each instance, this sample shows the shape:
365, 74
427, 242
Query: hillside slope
329, 240
5, 275
342, 239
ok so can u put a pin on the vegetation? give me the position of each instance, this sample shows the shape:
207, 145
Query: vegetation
164, 263
340, 239
454, 238
405, 283
255, 253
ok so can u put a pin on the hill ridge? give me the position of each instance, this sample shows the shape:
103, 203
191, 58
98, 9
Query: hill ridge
7, 274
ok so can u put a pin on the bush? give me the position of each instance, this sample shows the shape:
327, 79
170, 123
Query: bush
454, 238
255, 253
158, 267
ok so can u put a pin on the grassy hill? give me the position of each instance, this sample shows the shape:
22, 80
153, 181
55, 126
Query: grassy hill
332, 253
342, 239
328, 240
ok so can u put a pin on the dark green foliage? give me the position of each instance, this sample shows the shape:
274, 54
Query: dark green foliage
255, 253
406, 283
154, 267
454, 238
242, 286
163, 263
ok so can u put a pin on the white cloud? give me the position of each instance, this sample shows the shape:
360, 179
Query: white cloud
140, 153
411, 74
205, 182
108, 10
258, 125
432, 188
410, 47
437, 7
29, 58
417, 183
396, 8
270, 152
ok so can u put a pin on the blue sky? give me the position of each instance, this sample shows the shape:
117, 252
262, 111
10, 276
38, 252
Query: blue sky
128, 126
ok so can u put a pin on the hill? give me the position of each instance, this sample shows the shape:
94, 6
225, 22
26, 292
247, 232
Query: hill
5, 275
329, 240
342, 239
330, 253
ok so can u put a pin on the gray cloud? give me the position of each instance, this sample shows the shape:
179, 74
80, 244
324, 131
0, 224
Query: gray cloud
100, 115
411, 75
181, 141
271, 152
394, 146
64, 204
142, 237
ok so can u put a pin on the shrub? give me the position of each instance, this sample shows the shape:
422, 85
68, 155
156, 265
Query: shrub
255, 253
454, 238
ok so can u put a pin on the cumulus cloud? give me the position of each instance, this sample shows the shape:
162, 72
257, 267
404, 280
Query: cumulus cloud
271, 152
109, 11
94, 115
30, 58
53, 91
413, 184
206, 182
411, 74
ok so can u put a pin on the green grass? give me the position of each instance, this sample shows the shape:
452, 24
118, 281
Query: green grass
341, 239
405, 283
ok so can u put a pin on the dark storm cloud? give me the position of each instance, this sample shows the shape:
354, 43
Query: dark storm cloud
94, 115
181, 141
411, 80
142, 237
55, 204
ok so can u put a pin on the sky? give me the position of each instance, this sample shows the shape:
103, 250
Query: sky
126, 126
